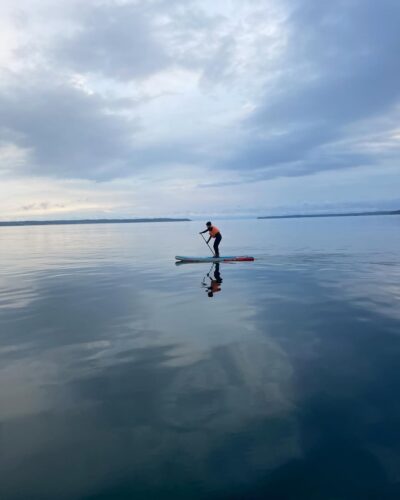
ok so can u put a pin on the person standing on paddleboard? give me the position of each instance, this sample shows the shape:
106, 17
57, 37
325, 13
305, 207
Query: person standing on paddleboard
214, 232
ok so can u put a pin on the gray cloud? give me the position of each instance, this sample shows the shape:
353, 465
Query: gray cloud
67, 131
119, 41
136, 40
71, 134
299, 168
352, 62
341, 68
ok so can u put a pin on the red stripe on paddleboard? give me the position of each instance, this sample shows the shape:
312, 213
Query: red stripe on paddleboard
241, 259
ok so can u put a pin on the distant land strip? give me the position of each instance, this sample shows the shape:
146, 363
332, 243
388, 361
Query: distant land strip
348, 214
86, 221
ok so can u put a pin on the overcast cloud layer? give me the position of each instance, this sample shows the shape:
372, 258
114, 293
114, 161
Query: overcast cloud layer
124, 108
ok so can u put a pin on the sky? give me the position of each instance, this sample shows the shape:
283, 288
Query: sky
197, 107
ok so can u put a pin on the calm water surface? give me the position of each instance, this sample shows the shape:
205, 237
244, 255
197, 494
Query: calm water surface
121, 378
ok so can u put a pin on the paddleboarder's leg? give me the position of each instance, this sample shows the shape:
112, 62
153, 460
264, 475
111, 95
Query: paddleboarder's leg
217, 241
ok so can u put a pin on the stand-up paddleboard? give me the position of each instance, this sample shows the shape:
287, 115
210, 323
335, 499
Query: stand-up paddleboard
231, 258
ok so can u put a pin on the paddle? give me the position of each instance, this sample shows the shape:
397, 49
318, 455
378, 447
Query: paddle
205, 241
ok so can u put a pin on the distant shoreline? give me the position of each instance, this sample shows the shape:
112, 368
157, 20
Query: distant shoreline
348, 214
86, 221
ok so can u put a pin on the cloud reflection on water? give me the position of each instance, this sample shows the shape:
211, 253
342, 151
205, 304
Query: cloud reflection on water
128, 377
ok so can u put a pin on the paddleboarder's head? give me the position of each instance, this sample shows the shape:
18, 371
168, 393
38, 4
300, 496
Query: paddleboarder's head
208, 224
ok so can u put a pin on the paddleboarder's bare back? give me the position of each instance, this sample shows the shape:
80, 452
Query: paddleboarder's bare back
215, 233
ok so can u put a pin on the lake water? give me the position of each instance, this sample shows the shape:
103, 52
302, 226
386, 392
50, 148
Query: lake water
121, 378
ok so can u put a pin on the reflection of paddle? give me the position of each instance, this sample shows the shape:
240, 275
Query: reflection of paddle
205, 241
207, 275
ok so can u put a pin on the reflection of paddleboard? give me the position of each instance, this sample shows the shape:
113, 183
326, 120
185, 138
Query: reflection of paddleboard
232, 258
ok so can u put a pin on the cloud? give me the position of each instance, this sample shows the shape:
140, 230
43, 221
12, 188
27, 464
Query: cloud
136, 40
232, 92
118, 41
42, 206
70, 106
69, 133
340, 68
57, 129
352, 64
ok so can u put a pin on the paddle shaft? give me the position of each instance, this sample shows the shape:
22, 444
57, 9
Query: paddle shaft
208, 274
205, 241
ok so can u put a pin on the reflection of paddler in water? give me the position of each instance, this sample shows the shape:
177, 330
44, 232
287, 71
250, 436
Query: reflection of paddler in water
215, 283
